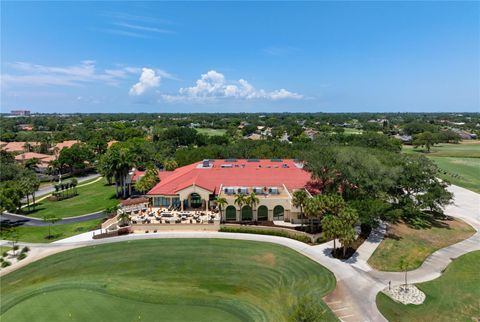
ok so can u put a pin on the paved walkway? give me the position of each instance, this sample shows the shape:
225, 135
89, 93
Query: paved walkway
357, 283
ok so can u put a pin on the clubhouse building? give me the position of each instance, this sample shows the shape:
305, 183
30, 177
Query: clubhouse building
196, 186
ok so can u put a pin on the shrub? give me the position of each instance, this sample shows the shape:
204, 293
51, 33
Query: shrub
25, 249
245, 230
21, 256
6, 263
4, 254
16, 247
1, 259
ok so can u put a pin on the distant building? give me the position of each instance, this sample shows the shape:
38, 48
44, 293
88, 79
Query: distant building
110, 143
25, 127
43, 159
254, 136
311, 133
406, 139
65, 144
465, 135
20, 113
19, 147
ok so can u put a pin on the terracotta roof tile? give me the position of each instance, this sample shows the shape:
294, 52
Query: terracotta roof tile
242, 173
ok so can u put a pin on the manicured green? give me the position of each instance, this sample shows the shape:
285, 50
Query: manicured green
415, 245
458, 163
91, 198
211, 132
452, 297
30, 234
463, 172
466, 149
167, 280
348, 130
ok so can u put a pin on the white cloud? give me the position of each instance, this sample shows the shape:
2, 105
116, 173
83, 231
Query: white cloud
74, 75
149, 79
213, 85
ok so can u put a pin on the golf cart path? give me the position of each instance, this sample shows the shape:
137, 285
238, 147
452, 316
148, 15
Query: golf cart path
357, 283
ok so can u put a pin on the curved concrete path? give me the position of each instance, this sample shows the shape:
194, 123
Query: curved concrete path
357, 283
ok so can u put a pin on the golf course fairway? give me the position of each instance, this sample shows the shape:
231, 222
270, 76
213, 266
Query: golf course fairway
165, 280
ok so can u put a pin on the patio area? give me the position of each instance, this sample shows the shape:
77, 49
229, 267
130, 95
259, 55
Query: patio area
157, 216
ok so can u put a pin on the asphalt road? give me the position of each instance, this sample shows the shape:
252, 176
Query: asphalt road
49, 189
9, 218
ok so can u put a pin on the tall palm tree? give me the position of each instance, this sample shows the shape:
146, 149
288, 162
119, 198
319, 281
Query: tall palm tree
252, 200
240, 200
312, 209
299, 199
221, 202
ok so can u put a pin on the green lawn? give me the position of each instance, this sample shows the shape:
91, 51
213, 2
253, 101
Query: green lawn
463, 172
416, 244
91, 198
466, 149
452, 297
211, 132
39, 234
349, 130
165, 280
458, 163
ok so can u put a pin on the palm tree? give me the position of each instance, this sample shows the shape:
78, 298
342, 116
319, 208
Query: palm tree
74, 184
299, 199
330, 228
111, 210
312, 209
124, 217
240, 200
252, 200
221, 202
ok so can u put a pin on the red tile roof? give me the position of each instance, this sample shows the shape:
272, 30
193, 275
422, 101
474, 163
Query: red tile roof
18, 146
136, 201
248, 174
34, 155
65, 144
162, 174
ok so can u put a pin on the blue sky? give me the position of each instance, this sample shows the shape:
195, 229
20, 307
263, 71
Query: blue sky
240, 57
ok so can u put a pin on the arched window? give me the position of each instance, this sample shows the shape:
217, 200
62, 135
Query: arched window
262, 213
230, 213
278, 213
247, 213
195, 200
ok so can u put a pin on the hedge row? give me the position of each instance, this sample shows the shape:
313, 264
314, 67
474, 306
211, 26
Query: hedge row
246, 230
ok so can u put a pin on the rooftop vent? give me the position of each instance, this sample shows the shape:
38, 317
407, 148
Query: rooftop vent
226, 166
207, 163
